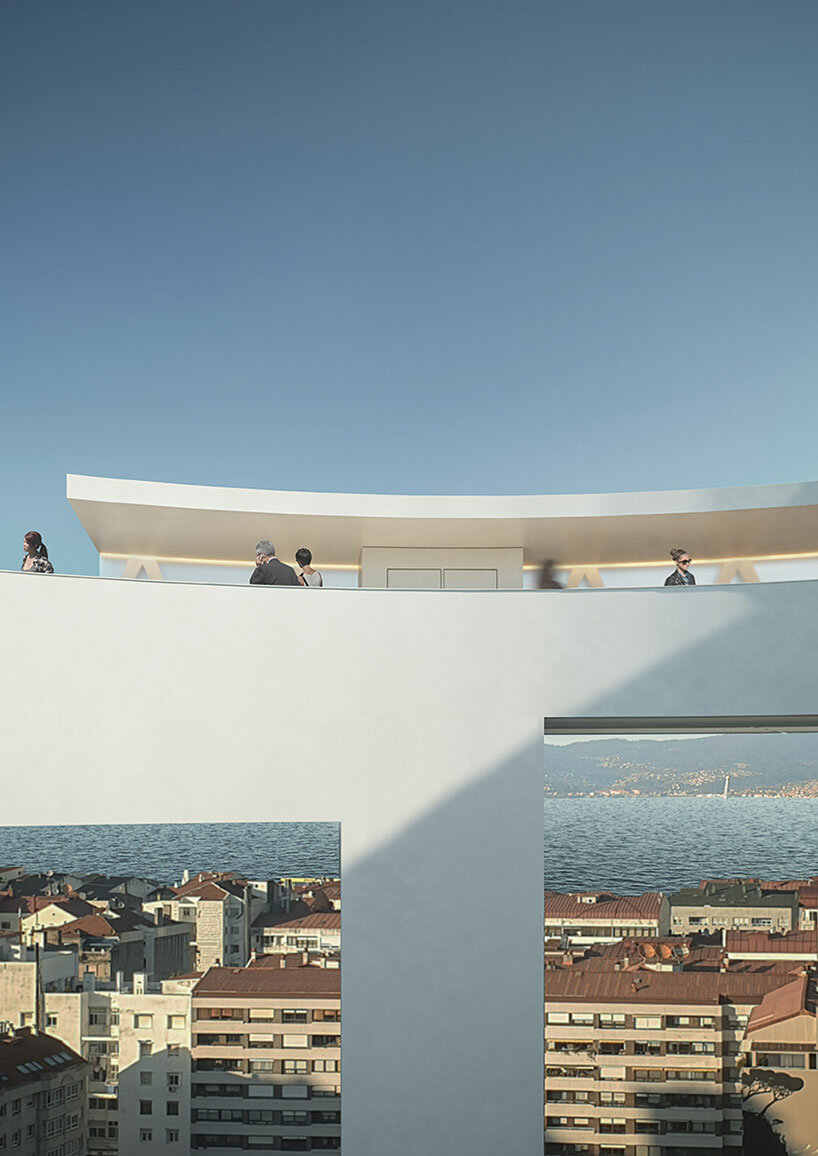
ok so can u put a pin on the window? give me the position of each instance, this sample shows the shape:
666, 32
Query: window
558, 1018
583, 1019
143, 1020
145, 1048
176, 1021
611, 1020
325, 1066
296, 1041
173, 1051
172, 1108
300, 1118
145, 1135
171, 1135
146, 1079
51, 1020
294, 1067
265, 1065
780, 1060
146, 1107
649, 1023
173, 1081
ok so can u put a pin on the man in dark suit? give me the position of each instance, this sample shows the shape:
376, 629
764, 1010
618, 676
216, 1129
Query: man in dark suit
269, 571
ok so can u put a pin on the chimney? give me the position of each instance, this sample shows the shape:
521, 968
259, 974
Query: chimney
119, 980
158, 917
185, 876
139, 982
305, 958
282, 961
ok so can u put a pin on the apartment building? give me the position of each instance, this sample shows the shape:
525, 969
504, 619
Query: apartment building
267, 1058
737, 905
43, 1094
222, 912
318, 931
137, 1043
781, 1053
647, 1063
598, 917
128, 942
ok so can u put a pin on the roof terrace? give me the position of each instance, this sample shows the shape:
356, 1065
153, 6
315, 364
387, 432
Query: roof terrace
172, 532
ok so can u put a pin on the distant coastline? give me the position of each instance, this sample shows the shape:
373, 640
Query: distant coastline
796, 791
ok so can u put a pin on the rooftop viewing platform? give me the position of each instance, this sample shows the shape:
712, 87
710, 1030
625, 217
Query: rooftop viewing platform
171, 532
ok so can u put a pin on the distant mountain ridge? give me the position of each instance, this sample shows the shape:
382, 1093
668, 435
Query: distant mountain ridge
766, 763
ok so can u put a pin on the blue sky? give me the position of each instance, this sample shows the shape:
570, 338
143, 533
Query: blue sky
452, 246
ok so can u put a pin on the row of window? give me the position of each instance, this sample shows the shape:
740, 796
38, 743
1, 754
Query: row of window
313, 1091
264, 1116
640, 1099
232, 1039
621, 1020
269, 1143
15, 1140
649, 1075
608, 1125
269, 1015
284, 1067
634, 1047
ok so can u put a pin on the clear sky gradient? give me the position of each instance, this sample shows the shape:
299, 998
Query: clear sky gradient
446, 246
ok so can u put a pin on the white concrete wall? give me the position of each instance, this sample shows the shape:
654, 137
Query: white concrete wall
422, 734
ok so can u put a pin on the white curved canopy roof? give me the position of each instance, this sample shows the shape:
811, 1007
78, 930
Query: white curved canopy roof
166, 520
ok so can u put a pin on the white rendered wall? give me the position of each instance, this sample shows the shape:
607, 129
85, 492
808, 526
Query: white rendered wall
421, 733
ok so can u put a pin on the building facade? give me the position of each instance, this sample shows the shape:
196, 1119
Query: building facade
43, 1096
267, 1058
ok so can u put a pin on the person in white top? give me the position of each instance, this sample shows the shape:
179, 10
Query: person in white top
306, 575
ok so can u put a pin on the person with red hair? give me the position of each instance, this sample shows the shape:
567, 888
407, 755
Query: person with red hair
35, 555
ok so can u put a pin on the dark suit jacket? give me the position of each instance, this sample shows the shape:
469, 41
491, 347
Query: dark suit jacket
274, 573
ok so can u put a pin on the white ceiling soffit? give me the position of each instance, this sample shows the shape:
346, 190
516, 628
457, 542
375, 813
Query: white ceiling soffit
161, 519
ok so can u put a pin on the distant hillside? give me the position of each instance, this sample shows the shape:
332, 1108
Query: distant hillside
768, 763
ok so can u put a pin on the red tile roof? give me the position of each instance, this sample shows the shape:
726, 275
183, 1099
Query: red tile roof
559, 905
662, 987
329, 920
270, 982
782, 1004
802, 944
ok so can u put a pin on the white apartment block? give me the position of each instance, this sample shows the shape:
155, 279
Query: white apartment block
137, 1043
267, 1059
646, 1063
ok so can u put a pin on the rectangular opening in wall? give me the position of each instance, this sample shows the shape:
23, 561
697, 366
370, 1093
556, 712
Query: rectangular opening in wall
680, 932
170, 985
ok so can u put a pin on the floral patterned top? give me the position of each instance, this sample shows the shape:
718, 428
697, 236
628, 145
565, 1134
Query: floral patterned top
38, 566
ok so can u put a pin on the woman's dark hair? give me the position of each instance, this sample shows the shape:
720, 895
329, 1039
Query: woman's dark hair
303, 557
677, 552
34, 541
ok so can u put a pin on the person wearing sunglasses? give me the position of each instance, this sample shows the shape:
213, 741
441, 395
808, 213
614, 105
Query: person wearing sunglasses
681, 576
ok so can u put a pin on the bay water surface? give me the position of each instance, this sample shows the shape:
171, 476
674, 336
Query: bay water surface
624, 843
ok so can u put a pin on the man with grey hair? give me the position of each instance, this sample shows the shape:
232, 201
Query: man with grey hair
269, 571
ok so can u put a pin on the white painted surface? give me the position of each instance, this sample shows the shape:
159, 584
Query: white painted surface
422, 734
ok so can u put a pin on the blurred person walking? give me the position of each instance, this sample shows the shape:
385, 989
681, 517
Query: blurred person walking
681, 576
547, 579
307, 576
269, 570
35, 555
